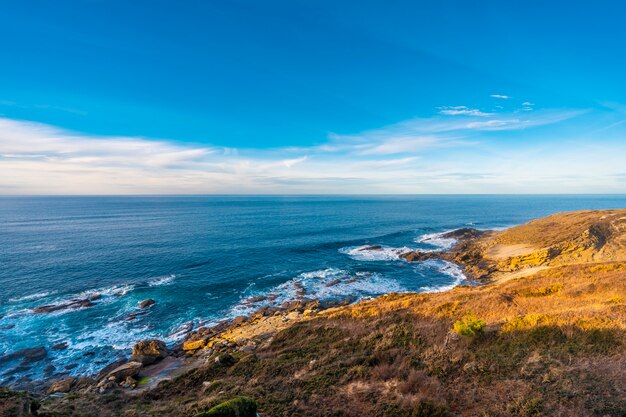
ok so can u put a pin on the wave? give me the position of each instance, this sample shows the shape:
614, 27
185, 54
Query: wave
438, 240
166, 280
448, 268
31, 297
374, 252
325, 285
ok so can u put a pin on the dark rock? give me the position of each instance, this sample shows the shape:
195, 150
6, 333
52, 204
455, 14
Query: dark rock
49, 370
373, 247
74, 304
147, 303
27, 356
133, 316
463, 233
89, 354
63, 385
239, 320
71, 366
333, 282
59, 346
225, 360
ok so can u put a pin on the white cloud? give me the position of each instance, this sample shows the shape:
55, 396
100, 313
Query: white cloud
462, 111
422, 155
502, 96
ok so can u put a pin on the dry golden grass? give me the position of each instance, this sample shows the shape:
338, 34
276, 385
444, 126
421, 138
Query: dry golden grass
553, 344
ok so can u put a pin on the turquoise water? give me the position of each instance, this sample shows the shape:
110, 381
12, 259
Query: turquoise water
200, 258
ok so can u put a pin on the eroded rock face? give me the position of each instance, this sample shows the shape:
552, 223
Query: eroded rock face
149, 351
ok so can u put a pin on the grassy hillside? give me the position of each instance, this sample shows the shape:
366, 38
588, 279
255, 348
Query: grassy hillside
547, 343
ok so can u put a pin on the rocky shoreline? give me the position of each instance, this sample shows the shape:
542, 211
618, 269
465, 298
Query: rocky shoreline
511, 330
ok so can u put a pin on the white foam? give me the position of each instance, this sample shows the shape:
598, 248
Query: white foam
157, 282
323, 284
445, 267
30, 297
438, 240
377, 253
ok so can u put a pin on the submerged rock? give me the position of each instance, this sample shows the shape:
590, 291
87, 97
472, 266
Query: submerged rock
27, 356
59, 346
368, 248
70, 305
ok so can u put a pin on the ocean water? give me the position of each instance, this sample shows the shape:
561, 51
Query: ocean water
203, 258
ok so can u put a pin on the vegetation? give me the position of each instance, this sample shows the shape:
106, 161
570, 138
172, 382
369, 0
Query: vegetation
469, 325
236, 407
552, 343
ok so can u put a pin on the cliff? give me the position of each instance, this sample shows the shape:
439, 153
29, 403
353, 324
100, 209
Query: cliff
545, 336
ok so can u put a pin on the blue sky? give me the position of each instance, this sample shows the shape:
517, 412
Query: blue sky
118, 97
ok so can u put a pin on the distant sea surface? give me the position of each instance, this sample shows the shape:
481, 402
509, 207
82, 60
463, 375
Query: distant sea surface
203, 259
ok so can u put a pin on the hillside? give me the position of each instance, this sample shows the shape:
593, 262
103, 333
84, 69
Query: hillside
545, 337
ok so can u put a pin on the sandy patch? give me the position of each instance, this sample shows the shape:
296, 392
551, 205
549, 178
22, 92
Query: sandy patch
502, 251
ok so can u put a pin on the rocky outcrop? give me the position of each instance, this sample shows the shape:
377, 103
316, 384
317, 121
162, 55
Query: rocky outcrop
70, 305
130, 369
148, 352
62, 386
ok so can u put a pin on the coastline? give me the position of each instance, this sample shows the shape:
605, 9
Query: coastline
515, 282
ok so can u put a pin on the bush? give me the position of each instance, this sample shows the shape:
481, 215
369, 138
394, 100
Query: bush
469, 325
235, 407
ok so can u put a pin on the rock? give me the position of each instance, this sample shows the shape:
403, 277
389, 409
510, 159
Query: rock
194, 344
239, 320
133, 316
74, 304
49, 370
124, 371
27, 356
63, 385
82, 383
149, 351
59, 346
18, 404
147, 303
105, 371
373, 247
225, 360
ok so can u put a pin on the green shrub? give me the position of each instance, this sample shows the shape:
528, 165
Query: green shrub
235, 407
469, 325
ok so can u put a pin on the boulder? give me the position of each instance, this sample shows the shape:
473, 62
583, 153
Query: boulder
149, 351
113, 365
147, 303
63, 385
130, 369
194, 344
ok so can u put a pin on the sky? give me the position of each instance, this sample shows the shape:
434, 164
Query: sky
312, 97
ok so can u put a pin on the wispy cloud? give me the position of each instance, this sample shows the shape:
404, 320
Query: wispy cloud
502, 96
436, 154
462, 111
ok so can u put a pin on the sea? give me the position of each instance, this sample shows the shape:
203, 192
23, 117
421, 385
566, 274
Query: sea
204, 259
